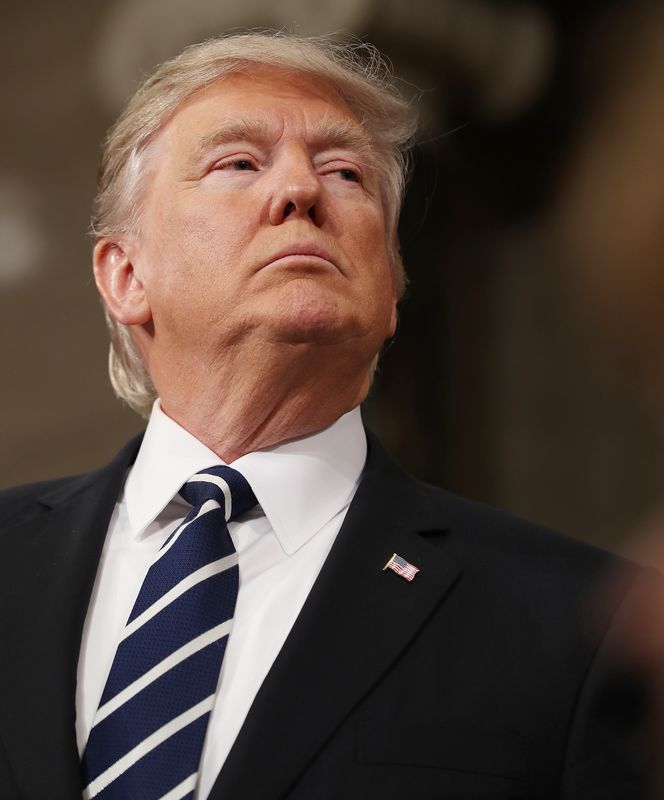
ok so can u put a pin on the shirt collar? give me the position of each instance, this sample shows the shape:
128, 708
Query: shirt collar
301, 485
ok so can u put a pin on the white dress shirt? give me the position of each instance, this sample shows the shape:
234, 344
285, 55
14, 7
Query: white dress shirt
303, 487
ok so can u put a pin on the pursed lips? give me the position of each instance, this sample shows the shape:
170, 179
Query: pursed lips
305, 251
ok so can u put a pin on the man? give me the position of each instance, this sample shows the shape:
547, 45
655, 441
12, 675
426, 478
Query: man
386, 639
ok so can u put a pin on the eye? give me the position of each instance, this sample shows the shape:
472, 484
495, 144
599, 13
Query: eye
236, 165
349, 175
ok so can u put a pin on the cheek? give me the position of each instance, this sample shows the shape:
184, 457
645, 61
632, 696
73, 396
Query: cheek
361, 221
370, 244
198, 245
367, 248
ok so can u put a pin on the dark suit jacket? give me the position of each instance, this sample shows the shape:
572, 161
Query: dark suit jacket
476, 680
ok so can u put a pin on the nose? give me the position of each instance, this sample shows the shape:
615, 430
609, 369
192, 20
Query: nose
297, 191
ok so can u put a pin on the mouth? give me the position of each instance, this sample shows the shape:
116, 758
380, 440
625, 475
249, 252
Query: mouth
303, 254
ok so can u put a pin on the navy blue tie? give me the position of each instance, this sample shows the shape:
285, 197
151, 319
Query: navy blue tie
148, 733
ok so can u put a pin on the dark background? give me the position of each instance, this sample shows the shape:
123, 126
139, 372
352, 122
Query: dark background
535, 199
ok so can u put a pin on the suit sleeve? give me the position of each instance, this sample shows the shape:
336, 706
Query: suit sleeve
607, 746
8, 788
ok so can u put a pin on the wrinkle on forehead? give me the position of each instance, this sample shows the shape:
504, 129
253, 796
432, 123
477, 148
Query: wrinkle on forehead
321, 134
337, 123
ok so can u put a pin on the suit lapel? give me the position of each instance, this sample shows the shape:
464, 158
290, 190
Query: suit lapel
47, 574
355, 623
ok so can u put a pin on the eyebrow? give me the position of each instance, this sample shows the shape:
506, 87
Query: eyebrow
324, 134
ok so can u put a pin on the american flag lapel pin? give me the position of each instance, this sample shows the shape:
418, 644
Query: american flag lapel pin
401, 567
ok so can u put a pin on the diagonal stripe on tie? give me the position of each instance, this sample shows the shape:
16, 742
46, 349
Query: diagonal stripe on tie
147, 746
175, 658
180, 564
148, 734
188, 582
182, 790
139, 718
190, 615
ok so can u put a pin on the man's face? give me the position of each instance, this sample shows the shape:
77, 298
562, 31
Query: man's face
263, 219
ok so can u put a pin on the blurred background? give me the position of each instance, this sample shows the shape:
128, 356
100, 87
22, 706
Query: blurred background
527, 370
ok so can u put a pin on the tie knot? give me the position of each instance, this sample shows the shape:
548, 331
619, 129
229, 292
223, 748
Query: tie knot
223, 484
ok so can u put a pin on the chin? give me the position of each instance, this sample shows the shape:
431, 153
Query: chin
314, 329
312, 316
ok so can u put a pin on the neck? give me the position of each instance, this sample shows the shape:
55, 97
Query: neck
235, 410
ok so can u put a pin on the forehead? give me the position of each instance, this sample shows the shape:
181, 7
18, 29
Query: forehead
274, 99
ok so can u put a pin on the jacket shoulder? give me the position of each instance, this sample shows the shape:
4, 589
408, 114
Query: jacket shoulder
485, 535
19, 502
503, 541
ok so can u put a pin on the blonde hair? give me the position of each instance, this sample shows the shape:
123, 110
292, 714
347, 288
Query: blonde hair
356, 70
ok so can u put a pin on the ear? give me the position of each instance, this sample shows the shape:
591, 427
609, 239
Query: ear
119, 285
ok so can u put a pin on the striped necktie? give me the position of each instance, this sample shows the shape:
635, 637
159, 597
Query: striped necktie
148, 733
